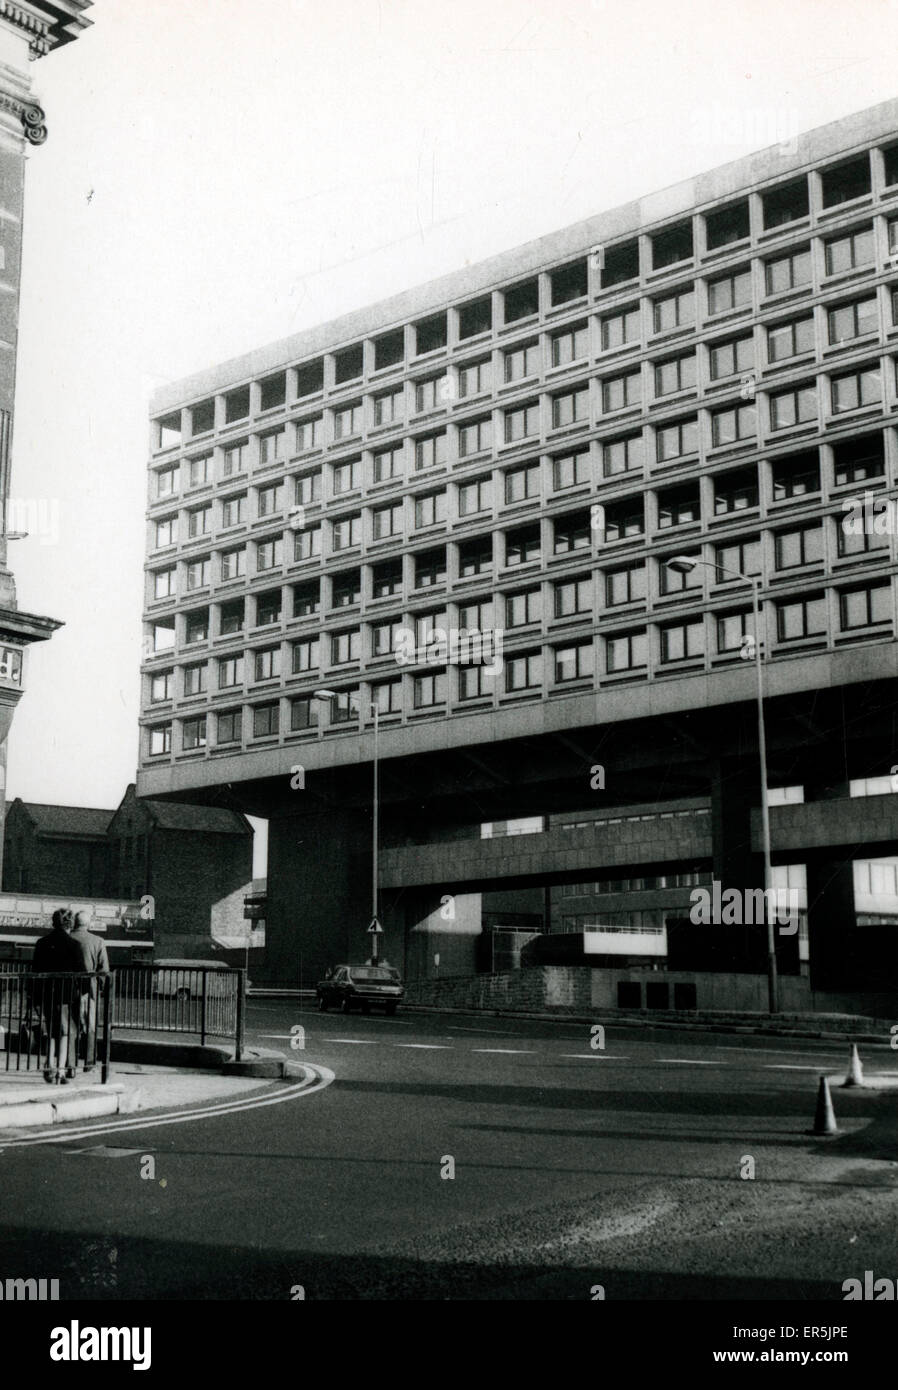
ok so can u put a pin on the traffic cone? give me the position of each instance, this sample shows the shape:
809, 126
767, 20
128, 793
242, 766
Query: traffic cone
824, 1119
855, 1075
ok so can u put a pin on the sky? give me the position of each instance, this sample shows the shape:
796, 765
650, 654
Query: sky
222, 173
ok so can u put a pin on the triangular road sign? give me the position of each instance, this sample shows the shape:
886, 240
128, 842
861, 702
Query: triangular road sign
375, 928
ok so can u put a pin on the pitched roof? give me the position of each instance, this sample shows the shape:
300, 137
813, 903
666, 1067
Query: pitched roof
173, 815
68, 820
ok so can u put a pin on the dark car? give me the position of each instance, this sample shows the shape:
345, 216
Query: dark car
362, 985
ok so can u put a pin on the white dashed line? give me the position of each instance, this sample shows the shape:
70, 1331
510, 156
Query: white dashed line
688, 1062
427, 1047
358, 1042
595, 1056
507, 1051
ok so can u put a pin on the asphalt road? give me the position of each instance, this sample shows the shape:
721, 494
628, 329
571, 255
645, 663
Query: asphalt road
462, 1157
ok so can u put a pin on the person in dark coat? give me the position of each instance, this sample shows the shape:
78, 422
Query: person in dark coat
58, 1002
94, 961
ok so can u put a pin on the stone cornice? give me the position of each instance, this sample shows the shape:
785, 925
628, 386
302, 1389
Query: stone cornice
47, 23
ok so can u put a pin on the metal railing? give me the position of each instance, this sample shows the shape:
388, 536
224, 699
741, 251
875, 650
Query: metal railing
55, 1023
197, 999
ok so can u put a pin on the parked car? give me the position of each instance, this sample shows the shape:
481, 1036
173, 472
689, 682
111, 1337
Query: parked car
362, 985
183, 979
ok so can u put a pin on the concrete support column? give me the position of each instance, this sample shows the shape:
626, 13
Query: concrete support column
834, 945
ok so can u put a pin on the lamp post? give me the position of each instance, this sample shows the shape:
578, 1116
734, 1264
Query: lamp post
374, 709
685, 564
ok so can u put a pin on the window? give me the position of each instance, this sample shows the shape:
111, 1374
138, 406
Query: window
676, 440
573, 596
522, 422
624, 520
621, 264
346, 532
389, 409
735, 492
166, 482
477, 614
303, 713
570, 346
730, 292
430, 334
307, 489
572, 532
625, 585
795, 407
803, 546
166, 531
676, 582
790, 272
736, 559
271, 499
160, 739
621, 391
570, 470
196, 626
865, 607
430, 451
348, 421
569, 282
805, 617
473, 681
620, 329
732, 631
430, 393
236, 405
796, 476
269, 554
677, 506
890, 165
726, 225
474, 318
344, 710
348, 364
523, 608
229, 727
571, 407
521, 301
626, 651
849, 252
859, 460
430, 628
785, 204
857, 389
306, 600
233, 510
347, 476
233, 564
475, 557
164, 583
475, 437
522, 545
266, 720
672, 245
267, 664
852, 321
199, 470
846, 181
521, 483
861, 542
389, 349
790, 339
475, 497
475, 377
575, 662
345, 646
521, 362
169, 431
430, 568
193, 734
310, 378
682, 641
735, 423
271, 447
387, 696
305, 656
386, 579
387, 521
199, 573
202, 417
731, 358
524, 672
429, 689
160, 687
309, 434
230, 672
674, 311
230, 619
307, 544
234, 461
268, 608
273, 391
430, 509
676, 375
388, 464
384, 637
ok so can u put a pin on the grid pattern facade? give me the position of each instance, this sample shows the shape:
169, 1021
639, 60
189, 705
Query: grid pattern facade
524, 462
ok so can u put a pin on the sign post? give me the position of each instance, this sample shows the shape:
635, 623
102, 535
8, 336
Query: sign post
375, 930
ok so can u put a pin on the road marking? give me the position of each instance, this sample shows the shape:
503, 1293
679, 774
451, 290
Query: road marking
287, 1036
490, 1032
688, 1062
507, 1051
596, 1056
323, 1077
359, 1042
786, 1066
427, 1047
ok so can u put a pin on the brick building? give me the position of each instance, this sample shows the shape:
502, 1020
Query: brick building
56, 849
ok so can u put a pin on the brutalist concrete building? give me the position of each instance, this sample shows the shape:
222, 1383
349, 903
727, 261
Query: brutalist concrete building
516, 451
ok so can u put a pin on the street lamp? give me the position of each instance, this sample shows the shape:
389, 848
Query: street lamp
375, 924
685, 564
